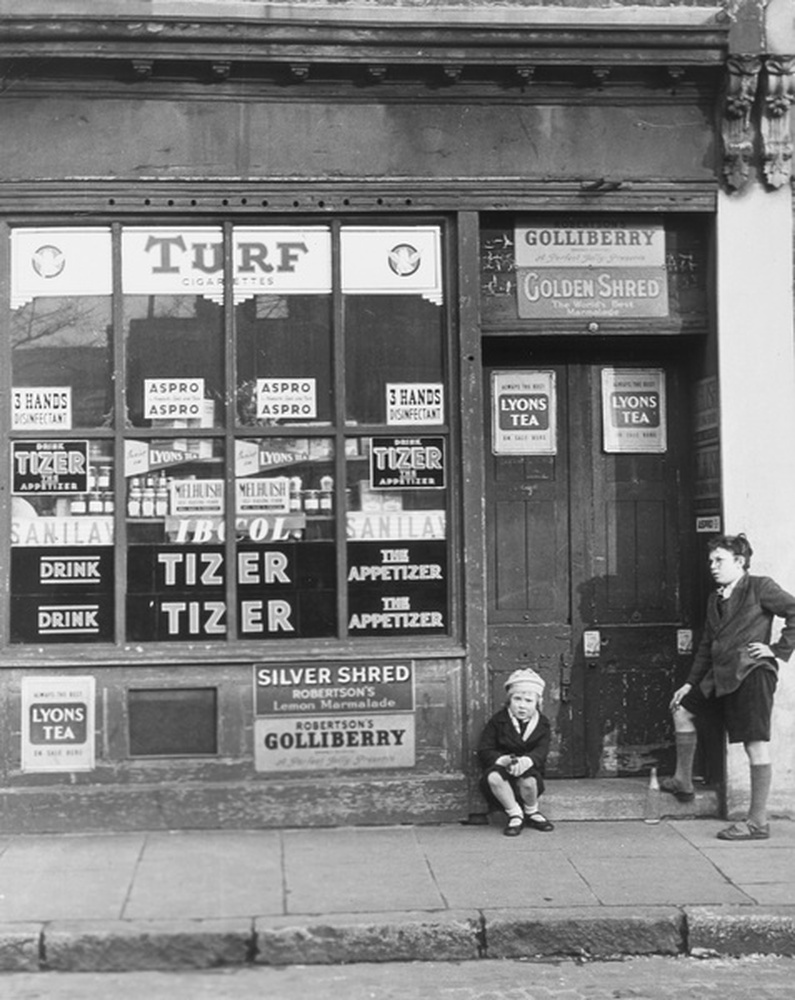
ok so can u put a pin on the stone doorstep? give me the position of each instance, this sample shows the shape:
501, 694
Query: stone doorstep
451, 935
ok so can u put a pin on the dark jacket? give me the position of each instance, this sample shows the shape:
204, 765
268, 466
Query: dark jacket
500, 736
722, 662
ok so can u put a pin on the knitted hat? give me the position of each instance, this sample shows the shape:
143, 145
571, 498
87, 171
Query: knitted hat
527, 679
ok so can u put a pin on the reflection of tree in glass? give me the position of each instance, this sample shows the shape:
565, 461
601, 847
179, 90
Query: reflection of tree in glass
61, 322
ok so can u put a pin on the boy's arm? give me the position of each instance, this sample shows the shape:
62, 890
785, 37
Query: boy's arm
777, 601
488, 751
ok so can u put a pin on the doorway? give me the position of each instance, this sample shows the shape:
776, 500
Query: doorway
589, 557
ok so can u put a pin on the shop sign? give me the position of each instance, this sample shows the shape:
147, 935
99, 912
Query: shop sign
45, 570
633, 410
41, 408
388, 526
179, 593
141, 457
49, 467
173, 399
392, 260
414, 403
397, 589
62, 617
336, 743
59, 262
407, 463
187, 261
524, 408
57, 724
257, 528
333, 688
261, 496
196, 497
61, 531
286, 398
582, 268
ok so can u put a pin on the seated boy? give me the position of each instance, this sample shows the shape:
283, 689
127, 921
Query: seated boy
513, 750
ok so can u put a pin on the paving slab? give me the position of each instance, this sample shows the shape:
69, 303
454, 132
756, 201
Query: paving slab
205, 875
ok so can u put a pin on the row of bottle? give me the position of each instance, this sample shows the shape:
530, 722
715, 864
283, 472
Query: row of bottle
99, 498
147, 496
312, 501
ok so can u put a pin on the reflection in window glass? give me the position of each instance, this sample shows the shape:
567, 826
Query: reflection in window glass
397, 536
176, 529
284, 360
175, 358
62, 563
285, 522
60, 363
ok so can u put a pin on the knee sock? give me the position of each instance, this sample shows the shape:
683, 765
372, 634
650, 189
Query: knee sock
761, 777
685, 755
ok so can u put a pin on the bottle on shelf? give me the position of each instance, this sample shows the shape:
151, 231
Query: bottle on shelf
326, 494
295, 492
134, 497
161, 496
148, 498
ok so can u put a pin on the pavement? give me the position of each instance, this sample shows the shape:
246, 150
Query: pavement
209, 898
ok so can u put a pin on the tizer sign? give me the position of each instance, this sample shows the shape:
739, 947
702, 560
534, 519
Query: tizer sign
57, 723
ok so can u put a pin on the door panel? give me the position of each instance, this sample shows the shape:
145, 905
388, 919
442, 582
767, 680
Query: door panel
586, 543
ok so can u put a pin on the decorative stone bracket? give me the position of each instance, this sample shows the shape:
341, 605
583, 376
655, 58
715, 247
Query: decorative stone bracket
760, 92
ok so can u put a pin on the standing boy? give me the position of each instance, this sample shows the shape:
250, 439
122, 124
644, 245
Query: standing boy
735, 664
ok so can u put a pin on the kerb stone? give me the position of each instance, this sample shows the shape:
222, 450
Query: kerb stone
120, 946
388, 937
738, 930
595, 932
19, 947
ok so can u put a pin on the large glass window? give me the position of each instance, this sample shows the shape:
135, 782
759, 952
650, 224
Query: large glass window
258, 422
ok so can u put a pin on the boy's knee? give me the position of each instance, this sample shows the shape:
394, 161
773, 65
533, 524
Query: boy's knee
495, 779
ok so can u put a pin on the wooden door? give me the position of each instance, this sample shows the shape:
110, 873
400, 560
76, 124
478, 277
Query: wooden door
589, 573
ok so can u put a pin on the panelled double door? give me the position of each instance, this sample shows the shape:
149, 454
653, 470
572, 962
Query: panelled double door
590, 557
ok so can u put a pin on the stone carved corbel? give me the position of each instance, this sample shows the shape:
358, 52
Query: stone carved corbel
737, 129
779, 94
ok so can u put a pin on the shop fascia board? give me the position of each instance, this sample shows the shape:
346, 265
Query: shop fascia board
505, 34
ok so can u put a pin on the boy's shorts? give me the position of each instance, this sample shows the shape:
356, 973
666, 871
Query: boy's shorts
746, 712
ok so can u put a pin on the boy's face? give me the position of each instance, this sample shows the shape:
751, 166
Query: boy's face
523, 703
725, 566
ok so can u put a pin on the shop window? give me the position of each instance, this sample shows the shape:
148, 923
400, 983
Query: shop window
294, 425
174, 722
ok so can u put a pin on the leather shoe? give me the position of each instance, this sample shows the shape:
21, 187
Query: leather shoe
514, 827
535, 821
745, 831
674, 788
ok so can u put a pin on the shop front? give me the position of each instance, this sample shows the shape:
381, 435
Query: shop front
338, 386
